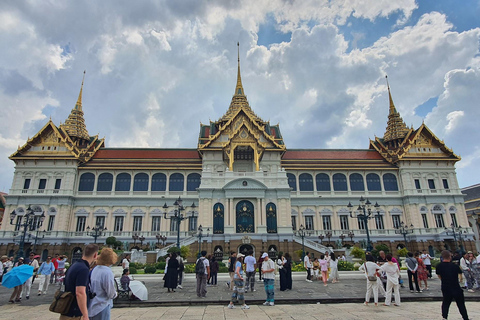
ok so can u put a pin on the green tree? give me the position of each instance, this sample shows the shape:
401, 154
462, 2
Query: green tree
402, 252
118, 244
358, 253
185, 251
110, 241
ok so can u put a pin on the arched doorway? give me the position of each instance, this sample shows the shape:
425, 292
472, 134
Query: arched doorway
272, 252
44, 255
76, 254
245, 217
218, 253
244, 248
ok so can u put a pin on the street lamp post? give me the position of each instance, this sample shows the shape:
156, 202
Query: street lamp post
404, 229
342, 236
135, 238
455, 231
365, 208
321, 237
141, 239
31, 222
351, 235
200, 235
178, 216
95, 232
36, 238
328, 235
302, 232
160, 238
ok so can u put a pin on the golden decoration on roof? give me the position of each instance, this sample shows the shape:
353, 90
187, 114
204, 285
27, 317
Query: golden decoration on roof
75, 123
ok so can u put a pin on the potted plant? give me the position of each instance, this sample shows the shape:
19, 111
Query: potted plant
358, 256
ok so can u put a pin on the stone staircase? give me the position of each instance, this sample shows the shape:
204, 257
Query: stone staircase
183, 242
311, 244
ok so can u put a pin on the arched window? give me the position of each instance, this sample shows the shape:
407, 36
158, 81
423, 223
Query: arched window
306, 182
140, 182
339, 182
105, 182
390, 182
356, 182
87, 181
123, 182
271, 218
373, 182
323, 182
292, 181
193, 181
159, 182
176, 182
218, 218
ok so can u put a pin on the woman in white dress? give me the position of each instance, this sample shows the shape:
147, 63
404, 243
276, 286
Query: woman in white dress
370, 268
333, 268
392, 271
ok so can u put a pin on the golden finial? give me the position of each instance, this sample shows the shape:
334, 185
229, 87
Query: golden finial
239, 87
78, 105
396, 127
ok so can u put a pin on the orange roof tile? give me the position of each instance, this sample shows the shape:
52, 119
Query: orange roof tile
332, 154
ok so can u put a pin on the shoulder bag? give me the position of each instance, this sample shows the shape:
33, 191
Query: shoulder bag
370, 278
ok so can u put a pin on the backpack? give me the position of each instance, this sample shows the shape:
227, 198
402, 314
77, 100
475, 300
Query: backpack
200, 266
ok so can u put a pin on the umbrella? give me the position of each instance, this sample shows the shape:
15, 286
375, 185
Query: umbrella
17, 276
139, 290
37, 256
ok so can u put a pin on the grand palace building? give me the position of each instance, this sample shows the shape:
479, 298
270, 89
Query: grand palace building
241, 184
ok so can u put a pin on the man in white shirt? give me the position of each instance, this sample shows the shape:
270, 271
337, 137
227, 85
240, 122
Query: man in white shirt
307, 263
28, 284
250, 262
426, 260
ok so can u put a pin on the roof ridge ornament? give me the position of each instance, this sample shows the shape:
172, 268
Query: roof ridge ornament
396, 127
239, 86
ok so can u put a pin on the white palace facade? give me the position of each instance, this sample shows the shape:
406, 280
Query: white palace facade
247, 189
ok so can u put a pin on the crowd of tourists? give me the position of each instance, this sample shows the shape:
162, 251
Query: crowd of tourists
44, 273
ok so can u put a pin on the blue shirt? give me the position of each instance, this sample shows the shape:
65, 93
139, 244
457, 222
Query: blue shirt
237, 265
46, 268
77, 275
102, 284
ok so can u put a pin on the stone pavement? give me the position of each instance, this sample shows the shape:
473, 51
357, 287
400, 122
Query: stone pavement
351, 288
344, 311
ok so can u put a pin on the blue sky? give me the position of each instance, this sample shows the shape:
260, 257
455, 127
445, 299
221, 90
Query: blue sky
156, 69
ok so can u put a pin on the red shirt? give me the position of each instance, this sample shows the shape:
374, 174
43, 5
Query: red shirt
55, 263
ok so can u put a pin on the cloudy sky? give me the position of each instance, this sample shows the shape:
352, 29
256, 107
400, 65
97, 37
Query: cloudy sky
156, 69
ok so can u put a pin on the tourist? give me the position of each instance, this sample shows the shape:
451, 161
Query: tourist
214, 268
391, 270
125, 280
421, 271
470, 271
9, 264
180, 271
3, 267
61, 268
171, 277
316, 269
281, 261
202, 271
76, 282
412, 266
17, 290
371, 273
428, 262
449, 274
328, 259
55, 264
324, 269
268, 269
463, 266
259, 265
231, 269
342, 258
250, 270
126, 262
238, 288
102, 284
45, 272
333, 268
27, 286
307, 264
288, 271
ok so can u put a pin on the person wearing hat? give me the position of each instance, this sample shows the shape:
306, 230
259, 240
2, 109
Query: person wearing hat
15, 297
239, 288
268, 270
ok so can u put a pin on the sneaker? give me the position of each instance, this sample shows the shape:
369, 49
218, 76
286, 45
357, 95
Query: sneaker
27, 297
231, 306
39, 294
266, 303
272, 304
412, 291
180, 287
254, 290
419, 291
308, 280
471, 290
245, 307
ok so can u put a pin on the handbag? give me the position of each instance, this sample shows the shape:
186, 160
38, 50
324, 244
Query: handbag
61, 302
370, 278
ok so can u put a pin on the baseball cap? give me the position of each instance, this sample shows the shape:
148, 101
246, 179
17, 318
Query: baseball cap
264, 255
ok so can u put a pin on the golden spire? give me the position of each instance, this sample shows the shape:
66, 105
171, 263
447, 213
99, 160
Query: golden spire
78, 106
239, 87
396, 128
75, 123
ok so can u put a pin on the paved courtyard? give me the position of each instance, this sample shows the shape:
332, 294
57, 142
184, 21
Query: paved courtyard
306, 301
